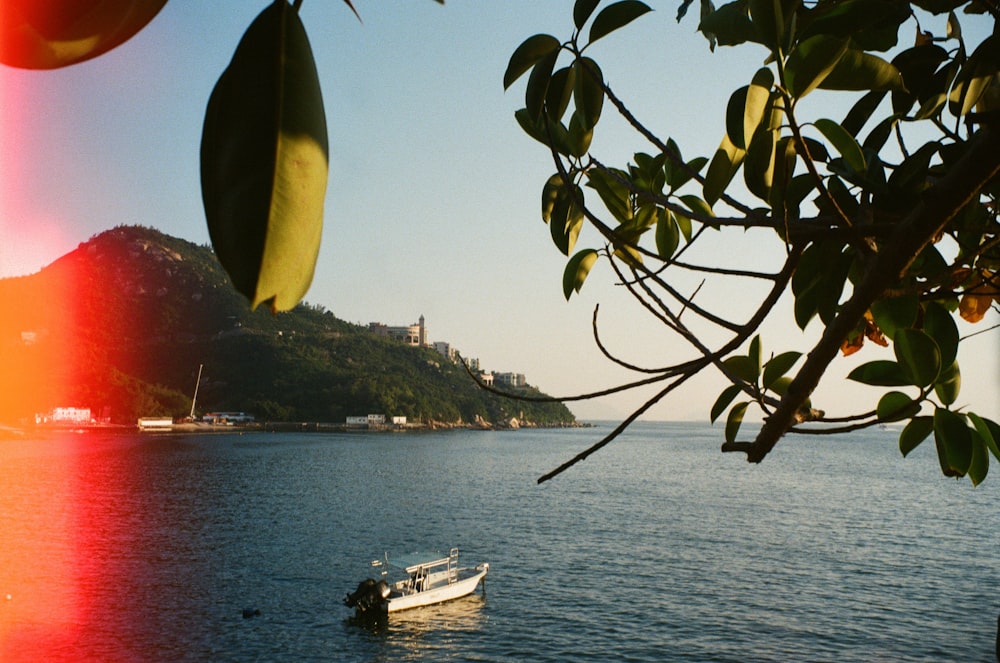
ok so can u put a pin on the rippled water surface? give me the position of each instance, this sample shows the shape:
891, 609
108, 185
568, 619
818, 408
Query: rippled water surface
657, 548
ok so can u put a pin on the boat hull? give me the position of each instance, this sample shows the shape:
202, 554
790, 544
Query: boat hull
461, 587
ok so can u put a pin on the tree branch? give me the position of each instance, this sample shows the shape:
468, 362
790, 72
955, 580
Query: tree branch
940, 204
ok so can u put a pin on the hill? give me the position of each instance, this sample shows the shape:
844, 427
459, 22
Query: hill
121, 324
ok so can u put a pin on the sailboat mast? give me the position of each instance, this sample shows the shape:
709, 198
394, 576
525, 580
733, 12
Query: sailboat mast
195, 399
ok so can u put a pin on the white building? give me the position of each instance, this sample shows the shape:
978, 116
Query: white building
415, 335
510, 379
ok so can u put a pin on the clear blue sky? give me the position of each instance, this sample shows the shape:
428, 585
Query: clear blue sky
433, 199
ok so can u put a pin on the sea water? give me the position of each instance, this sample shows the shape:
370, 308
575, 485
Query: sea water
240, 547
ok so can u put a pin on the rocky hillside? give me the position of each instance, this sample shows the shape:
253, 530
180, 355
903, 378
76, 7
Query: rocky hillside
122, 323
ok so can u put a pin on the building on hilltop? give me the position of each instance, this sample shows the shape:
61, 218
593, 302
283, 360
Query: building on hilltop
415, 335
510, 379
445, 350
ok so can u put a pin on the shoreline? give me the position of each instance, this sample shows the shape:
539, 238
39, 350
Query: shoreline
16, 432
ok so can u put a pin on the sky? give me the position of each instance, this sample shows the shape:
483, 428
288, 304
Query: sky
433, 201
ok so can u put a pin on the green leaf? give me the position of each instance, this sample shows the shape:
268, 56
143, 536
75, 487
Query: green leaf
753, 354
989, 433
527, 55
758, 167
615, 16
914, 433
780, 387
579, 136
723, 401
880, 373
531, 126
538, 84
550, 194
747, 107
735, 420
811, 62
895, 405
697, 206
857, 70
614, 194
582, 11
919, 355
742, 367
729, 24
668, 236
940, 325
735, 114
954, 442
844, 143
559, 93
948, 384
576, 271
588, 92
769, 22
721, 170
567, 219
264, 161
896, 313
777, 366
979, 465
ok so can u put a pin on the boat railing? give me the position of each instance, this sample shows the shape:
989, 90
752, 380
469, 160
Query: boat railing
453, 565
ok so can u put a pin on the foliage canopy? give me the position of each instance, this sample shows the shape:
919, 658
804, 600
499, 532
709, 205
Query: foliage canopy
886, 217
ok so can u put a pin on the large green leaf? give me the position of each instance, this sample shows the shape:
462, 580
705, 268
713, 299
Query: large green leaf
880, 373
895, 313
857, 70
811, 62
844, 143
588, 93
723, 401
616, 15
742, 367
525, 56
668, 236
746, 107
559, 93
777, 366
614, 194
954, 442
566, 220
948, 384
735, 420
940, 325
979, 464
758, 166
721, 170
914, 433
729, 24
895, 406
988, 431
537, 89
37, 34
264, 161
582, 10
919, 356
576, 271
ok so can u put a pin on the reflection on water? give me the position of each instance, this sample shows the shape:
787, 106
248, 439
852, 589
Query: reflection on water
423, 633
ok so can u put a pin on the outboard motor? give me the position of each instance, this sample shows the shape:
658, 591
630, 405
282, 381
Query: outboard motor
369, 594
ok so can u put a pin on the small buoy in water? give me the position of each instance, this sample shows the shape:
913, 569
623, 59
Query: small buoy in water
251, 612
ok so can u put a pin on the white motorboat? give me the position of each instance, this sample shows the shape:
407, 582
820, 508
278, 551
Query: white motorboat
427, 578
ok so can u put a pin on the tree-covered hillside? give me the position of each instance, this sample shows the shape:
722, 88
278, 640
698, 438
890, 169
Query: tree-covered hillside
121, 325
